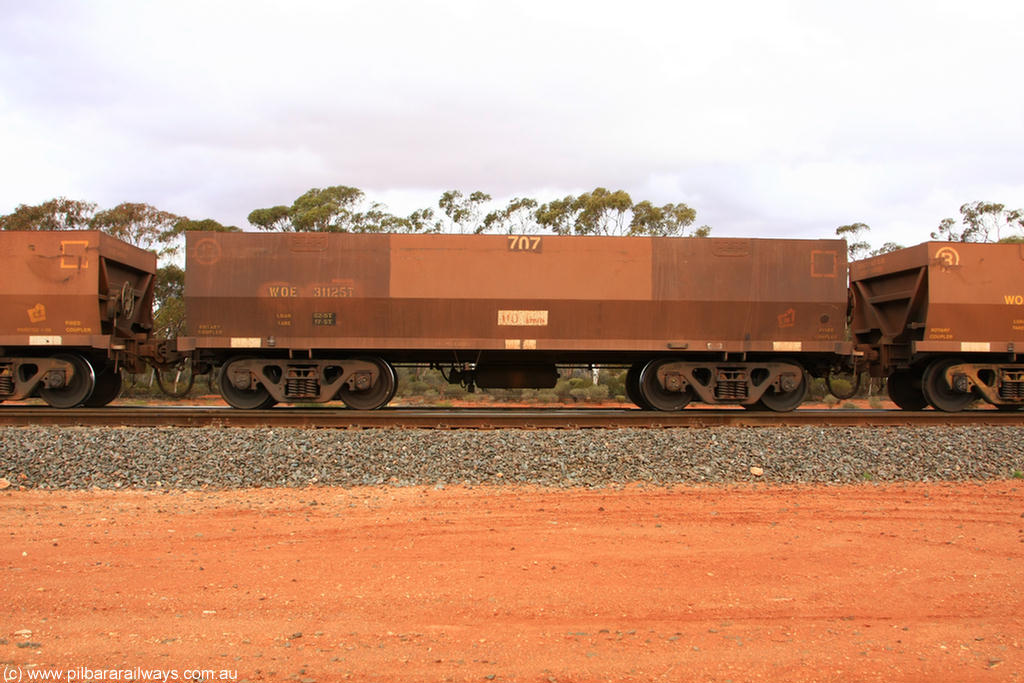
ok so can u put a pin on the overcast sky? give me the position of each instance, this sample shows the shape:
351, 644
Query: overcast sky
771, 119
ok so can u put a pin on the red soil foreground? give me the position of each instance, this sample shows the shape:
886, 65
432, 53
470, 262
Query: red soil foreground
858, 583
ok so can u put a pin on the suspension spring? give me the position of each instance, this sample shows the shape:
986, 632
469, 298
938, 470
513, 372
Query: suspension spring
1011, 391
731, 390
303, 387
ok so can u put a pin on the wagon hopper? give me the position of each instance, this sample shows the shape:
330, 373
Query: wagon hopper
944, 322
315, 317
73, 307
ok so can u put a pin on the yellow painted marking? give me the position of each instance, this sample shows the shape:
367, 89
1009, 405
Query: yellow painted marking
787, 346
333, 291
523, 318
78, 257
529, 343
246, 342
787, 318
45, 340
513, 344
37, 314
948, 256
524, 243
1014, 299
976, 347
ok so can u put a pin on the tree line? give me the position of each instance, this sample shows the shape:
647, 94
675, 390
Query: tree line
340, 208
978, 222
346, 209
599, 212
136, 223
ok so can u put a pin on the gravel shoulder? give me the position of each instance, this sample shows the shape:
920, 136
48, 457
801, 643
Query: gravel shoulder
174, 458
893, 582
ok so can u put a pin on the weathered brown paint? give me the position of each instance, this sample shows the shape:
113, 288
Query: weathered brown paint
435, 292
452, 267
939, 297
58, 287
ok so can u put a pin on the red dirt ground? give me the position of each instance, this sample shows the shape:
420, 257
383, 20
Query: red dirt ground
859, 583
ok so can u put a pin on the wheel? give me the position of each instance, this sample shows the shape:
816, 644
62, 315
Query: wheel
785, 401
256, 398
633, 387
377, 395
939, 394
78, 390
904, 389
655, 395
394, 389
108, 387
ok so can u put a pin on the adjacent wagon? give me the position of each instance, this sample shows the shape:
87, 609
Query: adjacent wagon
74, 308
944, 322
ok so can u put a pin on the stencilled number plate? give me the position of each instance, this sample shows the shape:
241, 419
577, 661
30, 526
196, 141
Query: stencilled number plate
325, 319
530, 243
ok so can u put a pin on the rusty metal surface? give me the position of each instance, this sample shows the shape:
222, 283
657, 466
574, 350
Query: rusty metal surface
997, 383
940, 297
501, 293
321, 418
73, 288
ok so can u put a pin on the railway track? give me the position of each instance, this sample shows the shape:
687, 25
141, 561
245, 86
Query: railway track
506, 418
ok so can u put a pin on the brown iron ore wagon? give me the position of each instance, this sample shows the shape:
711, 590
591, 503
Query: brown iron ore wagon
323, 316
74, 307
944, 322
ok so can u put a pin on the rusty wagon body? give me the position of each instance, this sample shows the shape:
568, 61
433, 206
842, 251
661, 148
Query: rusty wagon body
74, 306
944, 322
319, 316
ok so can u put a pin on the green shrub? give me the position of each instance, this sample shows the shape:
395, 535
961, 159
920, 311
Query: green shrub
817, 390
842, 387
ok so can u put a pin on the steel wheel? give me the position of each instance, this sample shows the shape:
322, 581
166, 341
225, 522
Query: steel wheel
904, 389
655, 395
633, 387
377, 395
256, 398
78, 389
939, 394
785, 401
108, 387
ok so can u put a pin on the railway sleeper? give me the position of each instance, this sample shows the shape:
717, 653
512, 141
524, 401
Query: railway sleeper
288, 381
997, 383
746, 383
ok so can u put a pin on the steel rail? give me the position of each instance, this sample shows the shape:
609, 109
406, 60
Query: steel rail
476, 418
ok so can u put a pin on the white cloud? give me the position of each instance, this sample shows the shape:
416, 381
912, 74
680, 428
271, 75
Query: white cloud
781, 119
